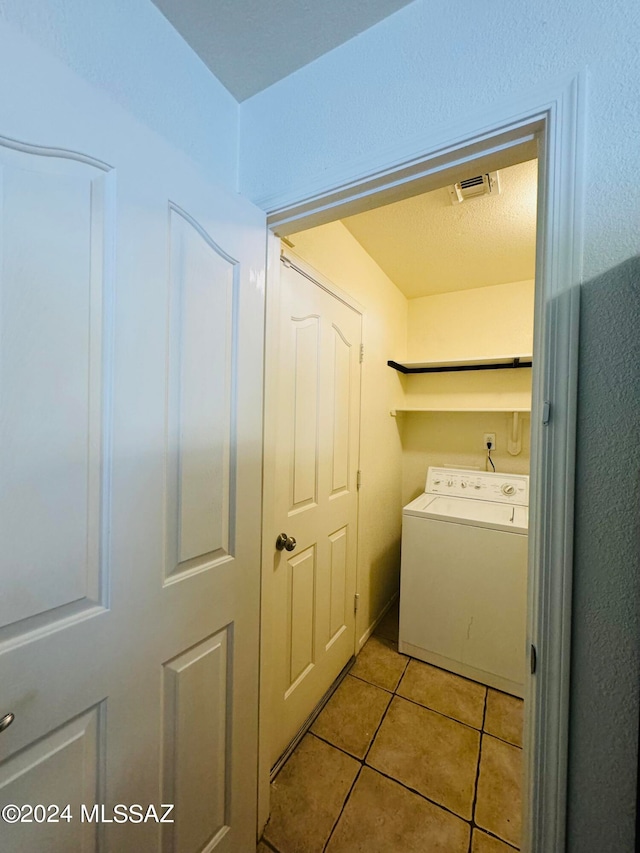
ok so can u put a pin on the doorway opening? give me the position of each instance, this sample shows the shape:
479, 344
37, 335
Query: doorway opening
551, 457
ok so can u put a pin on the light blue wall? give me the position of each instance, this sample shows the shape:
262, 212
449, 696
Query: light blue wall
605, 677
128, 49
411, 77
437, 61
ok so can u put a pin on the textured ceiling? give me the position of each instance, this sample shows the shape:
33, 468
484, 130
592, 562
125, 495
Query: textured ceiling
250, 44
427, 245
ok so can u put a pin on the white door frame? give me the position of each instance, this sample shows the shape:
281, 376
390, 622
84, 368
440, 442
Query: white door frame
549, 123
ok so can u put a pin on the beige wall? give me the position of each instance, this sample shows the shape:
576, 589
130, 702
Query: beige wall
455, 439
396, 452
337, 255
481, 323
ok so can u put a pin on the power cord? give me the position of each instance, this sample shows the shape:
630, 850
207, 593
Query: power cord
490, 460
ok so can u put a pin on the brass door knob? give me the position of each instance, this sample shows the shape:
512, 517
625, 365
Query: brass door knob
6, 721
285, 543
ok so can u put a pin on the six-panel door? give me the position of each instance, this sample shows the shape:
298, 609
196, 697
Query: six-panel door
315, 498
131, 317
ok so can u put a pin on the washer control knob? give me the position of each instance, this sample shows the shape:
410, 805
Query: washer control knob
508, 489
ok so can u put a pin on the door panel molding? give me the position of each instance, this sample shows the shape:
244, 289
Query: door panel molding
196, 745
338, 589
57, 235
305, 439
38, 773
342, 355
201, 330
301, 650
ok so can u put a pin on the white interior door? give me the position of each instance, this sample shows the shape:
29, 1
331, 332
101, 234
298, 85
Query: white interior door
316, 499
131, 317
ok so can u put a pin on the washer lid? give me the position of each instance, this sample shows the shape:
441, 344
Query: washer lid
496, 516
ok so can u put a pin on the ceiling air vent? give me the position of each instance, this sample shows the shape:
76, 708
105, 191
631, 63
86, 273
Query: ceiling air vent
485, 184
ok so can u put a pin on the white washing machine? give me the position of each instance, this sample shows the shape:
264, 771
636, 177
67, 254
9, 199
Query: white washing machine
463, 578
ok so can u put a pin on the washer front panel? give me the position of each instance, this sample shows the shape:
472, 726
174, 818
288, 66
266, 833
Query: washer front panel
479, 485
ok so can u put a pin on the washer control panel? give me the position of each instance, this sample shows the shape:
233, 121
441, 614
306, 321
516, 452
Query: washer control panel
478, 485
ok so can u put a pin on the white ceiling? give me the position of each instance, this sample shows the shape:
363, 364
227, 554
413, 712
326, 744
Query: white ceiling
250, 44
427, 245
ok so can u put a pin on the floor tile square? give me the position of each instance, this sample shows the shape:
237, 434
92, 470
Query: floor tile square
307, 796
387, 627
504, 717
445, 692
380, 663
483, 843
383, 817
432, 754
499, 800
352, 716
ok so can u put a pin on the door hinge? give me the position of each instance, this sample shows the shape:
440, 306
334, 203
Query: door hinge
546, 413
358, 479
533, 659
356, 602
361, 353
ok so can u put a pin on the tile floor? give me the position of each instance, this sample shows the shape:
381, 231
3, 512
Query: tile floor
404, 758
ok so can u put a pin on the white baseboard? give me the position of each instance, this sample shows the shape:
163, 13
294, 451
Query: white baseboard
363, 639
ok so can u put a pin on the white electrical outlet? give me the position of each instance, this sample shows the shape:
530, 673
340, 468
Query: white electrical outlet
489, 437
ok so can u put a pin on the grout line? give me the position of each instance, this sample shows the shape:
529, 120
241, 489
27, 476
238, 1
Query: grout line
417, 793
435, 710
501, 739
375, 734
475, 784
497, 838
344, 805
463, 677
397, 781
268, 844
363, 761
440, 714
339, 748
360, 678
308, 723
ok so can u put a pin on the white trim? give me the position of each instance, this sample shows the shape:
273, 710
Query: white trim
271, 354
390, 164
555, 115
558, 275
511, 145
322, 281
363, 639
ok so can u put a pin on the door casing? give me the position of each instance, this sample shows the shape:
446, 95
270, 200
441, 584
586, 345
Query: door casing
549, 124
